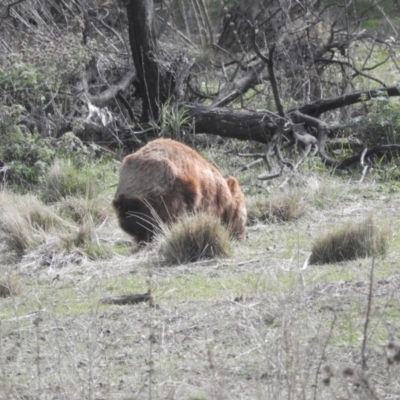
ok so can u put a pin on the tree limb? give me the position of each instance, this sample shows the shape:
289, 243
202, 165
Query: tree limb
8, 7
232, 91
243, 125
112, 92
319, 107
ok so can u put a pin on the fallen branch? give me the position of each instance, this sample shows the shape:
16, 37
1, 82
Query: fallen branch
319, 107
110, 93
129, 299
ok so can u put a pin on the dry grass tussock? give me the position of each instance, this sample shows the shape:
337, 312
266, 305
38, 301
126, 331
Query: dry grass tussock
80, 208
9, 285
27, 225
194, 237
280, 207
23, 219
351, 241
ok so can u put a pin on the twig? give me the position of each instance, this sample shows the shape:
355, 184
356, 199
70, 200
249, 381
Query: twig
252, 164
185, 38
167, 17
365, 167
129, 299
367, 316
6, 13
265, 177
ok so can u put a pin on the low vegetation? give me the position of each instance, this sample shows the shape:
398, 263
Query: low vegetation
9, 285
351, 241
280, 207
63, 179
28, 224
194, 237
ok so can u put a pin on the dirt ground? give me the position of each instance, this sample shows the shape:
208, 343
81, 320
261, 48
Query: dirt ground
262, 325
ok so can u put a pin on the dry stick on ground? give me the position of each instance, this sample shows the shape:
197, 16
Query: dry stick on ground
367, 316
268, 152
242, 65
108, 94
316, 108
261, 127
129, 299
253, 164
301, 135
365, 167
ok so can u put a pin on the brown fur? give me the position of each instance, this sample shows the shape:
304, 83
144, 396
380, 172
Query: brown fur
171, 179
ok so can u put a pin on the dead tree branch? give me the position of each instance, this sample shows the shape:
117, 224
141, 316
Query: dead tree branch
319, 107
232, 91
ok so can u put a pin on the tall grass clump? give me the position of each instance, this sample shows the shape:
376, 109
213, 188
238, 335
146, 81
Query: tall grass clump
77, 209
194, 237
27, 225
354, 240
9, 286
282, 207
22, 219
63, 179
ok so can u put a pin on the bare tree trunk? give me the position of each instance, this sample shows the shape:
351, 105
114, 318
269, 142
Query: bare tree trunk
154, 79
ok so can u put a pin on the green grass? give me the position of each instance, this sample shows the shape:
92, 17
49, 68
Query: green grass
122, 249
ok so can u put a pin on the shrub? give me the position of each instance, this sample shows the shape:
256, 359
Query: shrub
194, 237
23, 156
350, 242
381, 124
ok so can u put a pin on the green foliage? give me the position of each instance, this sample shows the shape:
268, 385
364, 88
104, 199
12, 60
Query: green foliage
24, 76
64, 179
23, 156
65, 166
381, 125
174, 120
77, 171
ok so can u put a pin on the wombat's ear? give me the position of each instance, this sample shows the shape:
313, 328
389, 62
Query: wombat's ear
233, 184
